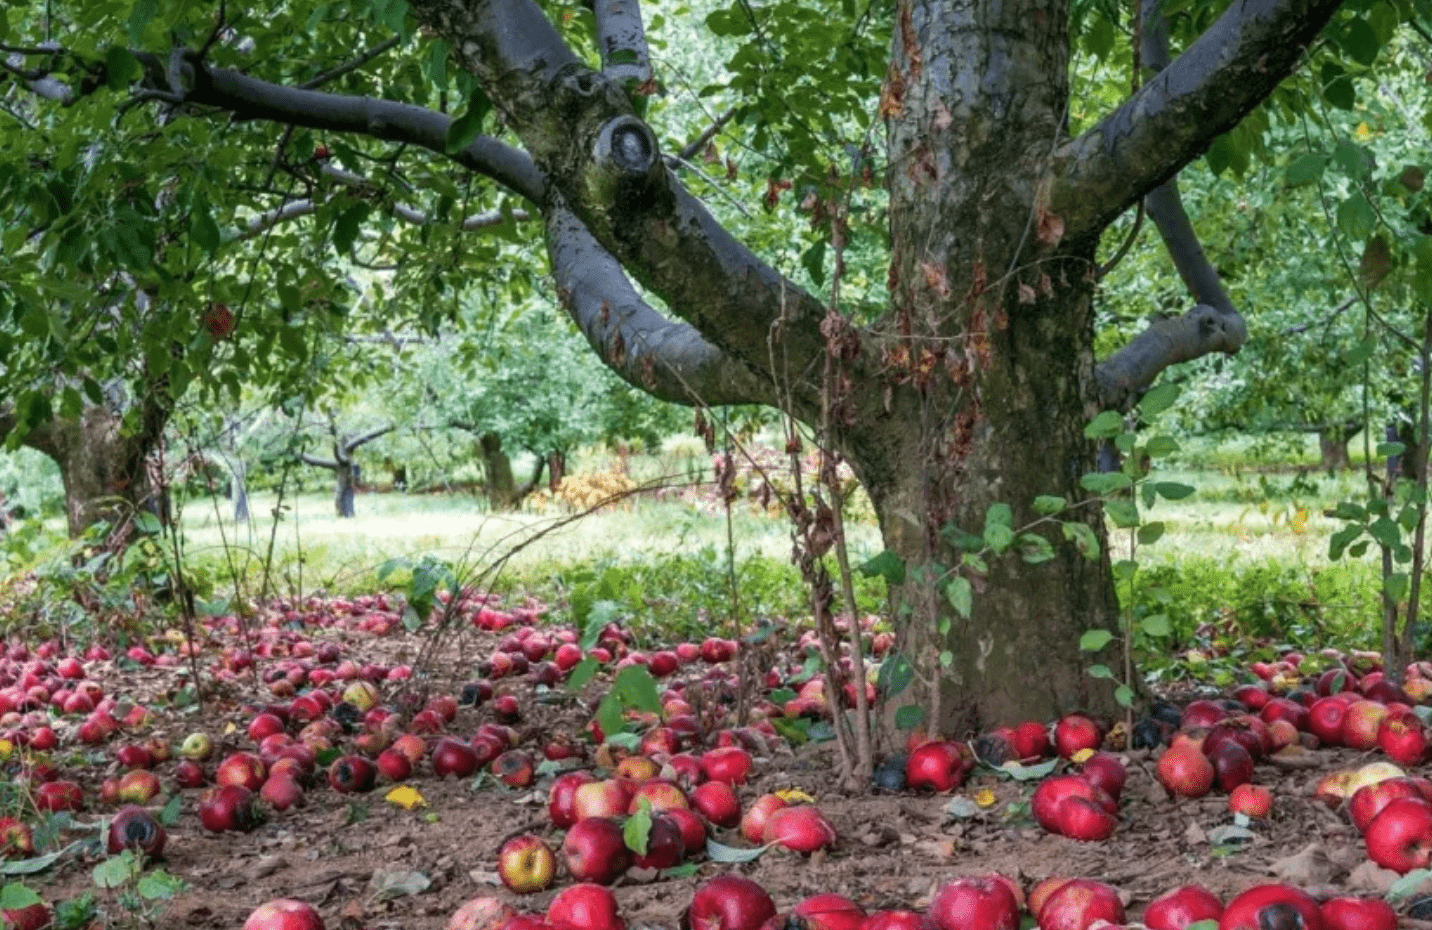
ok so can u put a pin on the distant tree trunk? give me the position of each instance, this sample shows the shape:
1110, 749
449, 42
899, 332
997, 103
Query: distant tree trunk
239, 490
1403, 465
502, 492
556, 469
346, 479
1332, 446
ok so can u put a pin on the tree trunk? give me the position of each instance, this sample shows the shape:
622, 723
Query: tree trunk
502, 491
940, 465
239, 490
103, 471
346, 478
1332, 447
556, 470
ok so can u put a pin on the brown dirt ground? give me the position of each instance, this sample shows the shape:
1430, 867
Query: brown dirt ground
894, 848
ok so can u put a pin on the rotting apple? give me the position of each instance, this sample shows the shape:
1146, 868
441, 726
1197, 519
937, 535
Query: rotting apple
453, 756
352, 773
514, 768
229, 807
17, 840
693, 830
665, 844
526, 864
1272, 907
133, 827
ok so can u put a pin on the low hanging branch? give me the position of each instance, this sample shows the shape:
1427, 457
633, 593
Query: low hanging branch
1214, 324
621, 39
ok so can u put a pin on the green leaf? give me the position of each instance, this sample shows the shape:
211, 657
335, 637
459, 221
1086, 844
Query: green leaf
1407, 885
1160, 446
1100, 671
1356, 218
15, 896
1150, 533
1158, 399
159, 885
1386, 450
1021, 772
1034, 549
1338, 88
120, 67
1306, 169
1396, 585
1082, 535
637, 829
582, 673
887, 565
347, 226
960, 595
1099, 40
1156, 625
1124, 513
467, 127
998, 537
999, 515
203, 230
1124, 695
1173, 490
1107, 482
139, 18
813, 261
1360, 41
1049, 504
1094, 640
1106, 425
896, 674
909, 717
116, 871
636, 688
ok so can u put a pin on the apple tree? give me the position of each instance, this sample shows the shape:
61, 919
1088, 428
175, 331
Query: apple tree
934, 322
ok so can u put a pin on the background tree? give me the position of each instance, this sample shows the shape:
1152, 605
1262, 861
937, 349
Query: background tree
958, 393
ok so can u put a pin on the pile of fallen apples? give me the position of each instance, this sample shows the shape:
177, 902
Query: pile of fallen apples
653, 799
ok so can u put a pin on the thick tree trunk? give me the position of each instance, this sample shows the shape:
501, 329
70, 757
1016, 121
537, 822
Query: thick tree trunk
502, 493
103, 471
556, 470
936, 467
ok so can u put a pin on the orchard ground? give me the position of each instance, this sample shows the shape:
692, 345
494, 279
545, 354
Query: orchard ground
368, 862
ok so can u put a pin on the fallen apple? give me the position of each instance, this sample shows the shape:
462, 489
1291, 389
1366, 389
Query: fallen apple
284, 914
526, 864
728, 902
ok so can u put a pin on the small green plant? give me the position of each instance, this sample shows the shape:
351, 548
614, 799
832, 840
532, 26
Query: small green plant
139, 892
1127, 494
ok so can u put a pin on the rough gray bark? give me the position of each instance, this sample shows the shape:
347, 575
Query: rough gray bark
345, 470
502, 492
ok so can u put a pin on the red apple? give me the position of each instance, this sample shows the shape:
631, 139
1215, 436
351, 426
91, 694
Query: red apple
730, 764
1074, 732
241, 768
482, 913
60, 795
1052, 792
281, 791
30, 917
1369, 800
983, 902
561, 799
729, 902
1400, 838
526, 864
693, 830
595, 850
718, 803
453, 756
606, 798
1270, 906
514, 769
1078, 903
1232, 765
284, 914
1080, 818
229, 807
1345, 913
1104, 770
1403, 738
1251, 800
937, 765
753, 822
1186, 772
802, 828
1031, 740
1359, 728
1176, 909
896, 920
830, 912
584, 907
17, 841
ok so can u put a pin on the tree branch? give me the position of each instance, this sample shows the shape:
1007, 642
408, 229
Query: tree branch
1123, 376
1174, 117
252, 98
669, 360
352, 65
579, 126
621, 35
367, 437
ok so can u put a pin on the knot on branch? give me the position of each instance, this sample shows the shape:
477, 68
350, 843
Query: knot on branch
627, 147
1219, 330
